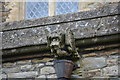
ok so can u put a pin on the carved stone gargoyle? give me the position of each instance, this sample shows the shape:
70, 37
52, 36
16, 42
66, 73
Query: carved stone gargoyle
63, 45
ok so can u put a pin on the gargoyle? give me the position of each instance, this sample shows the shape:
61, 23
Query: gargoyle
62, 45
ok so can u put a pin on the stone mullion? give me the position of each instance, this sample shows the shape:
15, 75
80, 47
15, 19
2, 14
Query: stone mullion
52, 7
82, 5
17, 10
21, 14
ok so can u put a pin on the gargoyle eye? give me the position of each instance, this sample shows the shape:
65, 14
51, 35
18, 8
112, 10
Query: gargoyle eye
54, 39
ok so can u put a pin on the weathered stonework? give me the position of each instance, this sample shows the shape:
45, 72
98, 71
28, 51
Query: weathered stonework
23, 75
47, 70
11, 70
35, 36
28, 70
98, 69
43, 77
4, 11
97, 40
112, 60
92, 63
7, 65
12, 11
4, 75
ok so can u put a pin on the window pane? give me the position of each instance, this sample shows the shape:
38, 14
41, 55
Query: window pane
36, 10
66, 7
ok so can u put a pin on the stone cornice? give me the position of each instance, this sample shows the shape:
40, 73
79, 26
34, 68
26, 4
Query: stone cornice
82, 29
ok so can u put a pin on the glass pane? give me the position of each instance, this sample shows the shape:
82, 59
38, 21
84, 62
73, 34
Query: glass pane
66, 7
36, 10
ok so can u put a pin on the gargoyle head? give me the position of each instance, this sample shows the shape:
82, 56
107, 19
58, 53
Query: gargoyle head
62, 44
55, 40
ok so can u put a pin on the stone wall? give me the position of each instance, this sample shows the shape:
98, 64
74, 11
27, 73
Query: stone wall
17, 11
11, 11
26, 55
90, 5
29, 69
4, 12
105, 66
98, 67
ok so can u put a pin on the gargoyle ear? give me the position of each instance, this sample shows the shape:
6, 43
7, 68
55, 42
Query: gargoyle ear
70, 38
62, 38
48, 41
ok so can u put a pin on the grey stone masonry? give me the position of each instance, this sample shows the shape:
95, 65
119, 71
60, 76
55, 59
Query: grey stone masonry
4, 11
23, 74
99, 60
98, 67
84, 25
94, 63
18, 69
93, 67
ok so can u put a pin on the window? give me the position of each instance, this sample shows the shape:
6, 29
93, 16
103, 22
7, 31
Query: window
66, 7
45, 8
36, 10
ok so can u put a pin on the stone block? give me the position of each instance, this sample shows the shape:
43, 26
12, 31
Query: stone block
75, 76
27, 67
36, 60
94, 62
110, 71
41, 77
112, 60
52, 76
50, 63
42, 60
31, 74
23, 62
47, 70
4, 76
11, 70
5, 65
93, 73
38, 65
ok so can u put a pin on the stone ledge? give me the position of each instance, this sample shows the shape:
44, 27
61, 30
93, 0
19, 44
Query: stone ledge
82, 29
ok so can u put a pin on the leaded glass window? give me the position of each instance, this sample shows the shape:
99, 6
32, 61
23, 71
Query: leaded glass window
36, 10
63, 7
